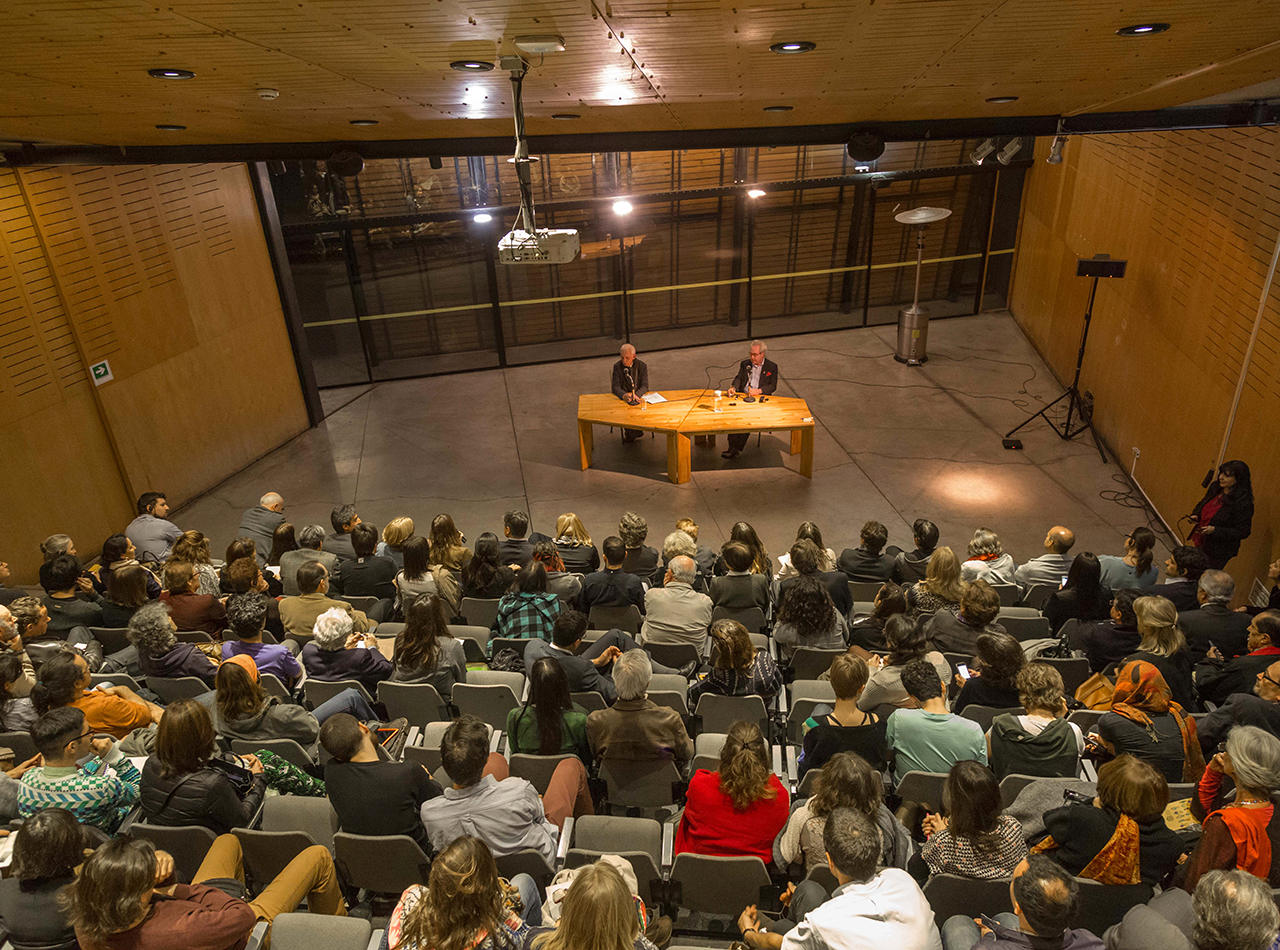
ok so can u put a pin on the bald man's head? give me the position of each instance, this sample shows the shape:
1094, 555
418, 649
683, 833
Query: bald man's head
1059, 540
272, 501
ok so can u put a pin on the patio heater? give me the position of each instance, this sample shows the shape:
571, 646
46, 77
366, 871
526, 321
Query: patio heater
913, 323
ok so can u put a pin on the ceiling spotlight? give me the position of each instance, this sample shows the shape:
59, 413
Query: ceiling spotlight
1142, 29
982, 151
755, 193
1000, 100
1010, 150
471, 65
171, 128
794, 46
483, 217
565, 115
622, 206
171, 73
1055, 150
778, 108
364, 121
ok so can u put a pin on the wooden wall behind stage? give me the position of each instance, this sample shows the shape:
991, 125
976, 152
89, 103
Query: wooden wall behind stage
164, 272
1196, 214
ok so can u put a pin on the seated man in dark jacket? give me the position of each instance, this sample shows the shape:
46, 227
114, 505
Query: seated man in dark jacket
868, 562
1217, 678
612, 587
368, 575
1112, 640
1215, 623
1182, 571
1259, 708
336, 652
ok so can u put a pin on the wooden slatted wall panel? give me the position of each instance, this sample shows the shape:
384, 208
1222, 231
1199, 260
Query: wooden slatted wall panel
1196, 214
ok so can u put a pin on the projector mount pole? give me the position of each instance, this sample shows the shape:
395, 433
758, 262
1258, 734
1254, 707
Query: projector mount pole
525, 219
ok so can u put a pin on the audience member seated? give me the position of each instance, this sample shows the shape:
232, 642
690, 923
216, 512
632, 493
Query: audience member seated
370, 795
566, 586
160, 654
1049, 568
448, 546
243, 710
987, 560
640, 559
193, 548
675, 612
344, 520
809, 560
419, 576
1237, 833
189, 610
1039, 741
516, 548
283, 539
62, 583
425, 651
310, 539
185, 783
739, 809
635, 728
1083, 597
1260, 708
704, 557
993, 675
1230, 910
868, 562
856, 915
846, 780
910, 566
464, 905
868, 632
1214, 623
149, 532
65, 681
1182, 570
505, 813
45, 856
846, 728
31, 617
743, 533
825, 557
613, 587
245, 575
529, 612
238, 550
246, 621
337, 652
1111, 640
740, 588
16, 712
368, 575
1120, 837
1273, 599
1045, 898
485, 577
121, 899
678, 544
261, 524
958, 631
394, 535
808, 618
99, 792
299, 614
1145, 721
941, 585
118, 553
8, 594
549, 722
11, 645
930, 739
905, 641
126, 592
971, 837
600, 909
1165, 648
573, 542
51, 548
738, 668
1136, 568
1216, 678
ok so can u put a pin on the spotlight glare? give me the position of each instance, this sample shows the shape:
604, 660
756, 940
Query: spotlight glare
170, 72
1143, 29
793, 47
622, 206
471, 65
482, 218
1055, 150
982, 151
755, 193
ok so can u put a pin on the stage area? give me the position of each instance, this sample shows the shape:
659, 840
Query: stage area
893, 443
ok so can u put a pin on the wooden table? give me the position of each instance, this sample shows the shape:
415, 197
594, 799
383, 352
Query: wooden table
692, 412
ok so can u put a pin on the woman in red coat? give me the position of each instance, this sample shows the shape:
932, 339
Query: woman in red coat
740, 809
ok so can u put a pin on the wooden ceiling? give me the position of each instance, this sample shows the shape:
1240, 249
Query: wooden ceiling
76, 70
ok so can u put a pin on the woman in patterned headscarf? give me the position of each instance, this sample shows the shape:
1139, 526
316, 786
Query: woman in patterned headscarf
1145, 721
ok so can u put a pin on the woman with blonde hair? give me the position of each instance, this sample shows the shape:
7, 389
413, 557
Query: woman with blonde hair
1164, 647
394, 535
940, 587
578, 552
739, 669
739, 809
192, 547
598, 913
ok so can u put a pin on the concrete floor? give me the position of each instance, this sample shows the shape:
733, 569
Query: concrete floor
893, 443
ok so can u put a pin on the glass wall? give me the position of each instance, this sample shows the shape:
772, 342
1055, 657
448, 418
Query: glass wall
395, 278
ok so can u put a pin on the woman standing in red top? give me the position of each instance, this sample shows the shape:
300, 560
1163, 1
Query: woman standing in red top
1224, 516
740, 809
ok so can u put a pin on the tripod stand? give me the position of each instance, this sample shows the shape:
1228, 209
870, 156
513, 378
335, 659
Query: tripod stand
1075, 404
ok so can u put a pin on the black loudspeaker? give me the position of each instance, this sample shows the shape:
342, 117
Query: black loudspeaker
435, 161
345, 163
865, 146
1100, 266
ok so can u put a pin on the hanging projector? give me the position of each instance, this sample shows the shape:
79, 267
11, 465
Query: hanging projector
526, 243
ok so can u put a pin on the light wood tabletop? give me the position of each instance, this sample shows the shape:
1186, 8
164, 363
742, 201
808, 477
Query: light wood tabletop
697, 413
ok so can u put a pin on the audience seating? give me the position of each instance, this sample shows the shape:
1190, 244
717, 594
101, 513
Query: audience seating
1010, 594
710, 884
479, 612
113, 639
488, 702
806, 784
718, 713
1036, 596
1030, 626
1012, 784
321, 691
673, 699
315, 932
192, 636
674, 655
649, 783
384, 864
669, 681
590, 700
1102, 905
626, 619
475, 641
290, 824
537, 769
951, 894
187, 843
531, 862
983, 715
274, 687
1086, 719
287, 749
638, 840
420, 703
706, 750
862, 608
750, 617
362, 604
1073, 670
923, 787
498, 644
21, 743
115, 679
865, 590
172, 690
805, 695
809, 662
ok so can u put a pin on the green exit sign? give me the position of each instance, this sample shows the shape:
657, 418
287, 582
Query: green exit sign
101, 373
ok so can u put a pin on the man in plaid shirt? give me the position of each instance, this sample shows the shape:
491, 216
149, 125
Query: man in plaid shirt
91, 778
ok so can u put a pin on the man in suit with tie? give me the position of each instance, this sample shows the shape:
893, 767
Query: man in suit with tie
756, 377
630, 383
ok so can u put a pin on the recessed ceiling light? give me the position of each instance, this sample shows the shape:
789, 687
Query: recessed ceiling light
565, 115
1142, 29
171, 128
755, 193
364, 121
621, 207
778, 108
482, 218
471, 65
171, 73
794, 46
1002, 99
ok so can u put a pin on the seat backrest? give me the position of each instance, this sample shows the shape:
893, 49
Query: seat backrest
389, 631
671, 699
669, 681
950, 894
497, 678
192, 636
113, 639
1010, 594
590, 700
363, 604
21, 743
488, 703
287, 749
321, 691
714, 885
674, 655
720, 712
626, 619
114, 679
864, 590
1012, 784
805, 788
274, 687
182, 687
537, 769
385, 864
923, 787
1036, 596
188, 844
1103, 905
475, 641
1073, 670
297, 931
805, 696
604, 833
498, 644
479, 612
645, 865
750, 617
640, 783
1086, 719
420, 703
526, 861
810, 663
267, 853
314, 817
983, 715
1024, 628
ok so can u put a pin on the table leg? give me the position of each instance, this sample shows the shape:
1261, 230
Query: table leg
678, 457
586, 441
806, 452
796, 440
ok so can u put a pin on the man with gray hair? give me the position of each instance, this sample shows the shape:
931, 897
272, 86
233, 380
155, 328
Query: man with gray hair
675, 612
1217, 678
310, 538
756, 377
635, 728
337, 652
260, 523
1230, 910
1214, 623
630, 381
